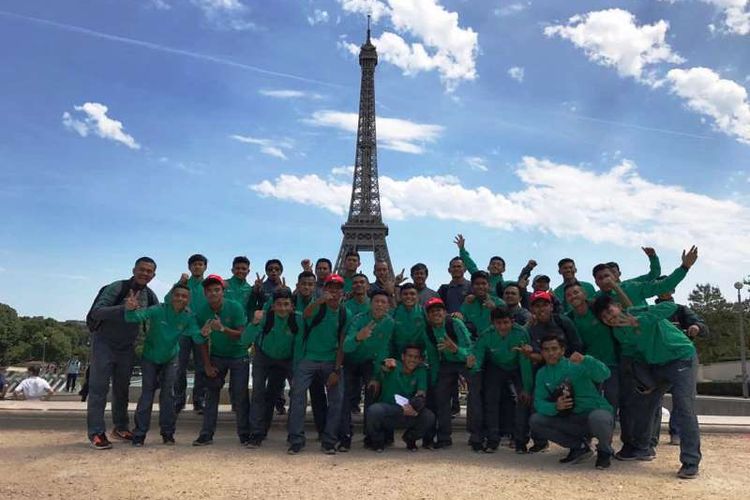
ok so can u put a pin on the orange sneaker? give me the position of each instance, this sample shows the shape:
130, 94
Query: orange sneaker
100, 442
125, 435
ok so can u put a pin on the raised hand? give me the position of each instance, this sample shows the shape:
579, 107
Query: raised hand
131, 301
389, 363
488, 303
400, 277
259, 281
531, 264
469, 298
258, 316
689, 257
365, 332
183, 279
650, 252
283, 282
576, 358
693, 331
306, 265
447, 345
459, 241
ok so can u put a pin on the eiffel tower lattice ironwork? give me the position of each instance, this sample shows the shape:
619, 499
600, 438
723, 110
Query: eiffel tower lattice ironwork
364, 230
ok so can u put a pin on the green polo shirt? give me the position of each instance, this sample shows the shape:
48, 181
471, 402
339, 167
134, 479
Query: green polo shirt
278, 343
639, 291
354, 308
597, 338
492, 346
323, 341
655, 340
478, 314
239, 291
375, 347
165, 327
232, 315
583, 377
396, 381
409, 329
471, 266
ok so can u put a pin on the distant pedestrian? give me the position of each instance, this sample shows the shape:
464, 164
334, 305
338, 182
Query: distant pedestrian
72, 371
33, 387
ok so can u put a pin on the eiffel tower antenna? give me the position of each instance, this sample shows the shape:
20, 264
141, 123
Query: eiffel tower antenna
364, 230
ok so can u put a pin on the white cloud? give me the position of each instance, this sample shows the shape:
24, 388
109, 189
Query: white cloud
723, 100
511, 9
226, 14
392, 133
618, 206
516, 73
343, 171
160, 5
289, 94
269, 147
440, 43
476, 163
736, 15
612, 38
95, 120
318, 17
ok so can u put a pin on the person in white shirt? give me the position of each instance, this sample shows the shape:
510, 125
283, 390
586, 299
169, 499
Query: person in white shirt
33, 387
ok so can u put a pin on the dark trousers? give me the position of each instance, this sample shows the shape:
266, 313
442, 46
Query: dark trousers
304, 373
354, 375
574, 430
496, 381
446, 385
70, 382
318, 402
269, 376
156, 376
239, 374
188, 347
679, 376
108, 364
384, 418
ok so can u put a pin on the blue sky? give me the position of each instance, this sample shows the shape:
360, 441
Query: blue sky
538, 129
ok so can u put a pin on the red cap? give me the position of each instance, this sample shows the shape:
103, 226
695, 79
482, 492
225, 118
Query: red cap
213, 278
540, 295
434, 302
334, 279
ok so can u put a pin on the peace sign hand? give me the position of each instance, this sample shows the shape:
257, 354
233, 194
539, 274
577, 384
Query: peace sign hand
259, 281
131, 301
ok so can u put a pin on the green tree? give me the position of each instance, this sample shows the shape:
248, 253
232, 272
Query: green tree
722, 320
10, 332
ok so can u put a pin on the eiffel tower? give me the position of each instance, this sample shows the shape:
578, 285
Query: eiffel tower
364, 229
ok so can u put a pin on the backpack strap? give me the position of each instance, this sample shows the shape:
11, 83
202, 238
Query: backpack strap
317, 319
94, 325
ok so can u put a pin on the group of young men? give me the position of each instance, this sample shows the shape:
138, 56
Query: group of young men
539, 365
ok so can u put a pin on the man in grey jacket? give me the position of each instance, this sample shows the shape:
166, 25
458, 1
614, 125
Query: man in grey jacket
113, 352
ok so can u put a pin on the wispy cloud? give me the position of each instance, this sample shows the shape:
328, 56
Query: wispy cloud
270, 147
516, 73
476, 163
511, 9
95, 120
226, 14
290, 94
318, 17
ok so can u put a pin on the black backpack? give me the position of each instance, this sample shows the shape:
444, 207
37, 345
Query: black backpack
268, 326
125, 287
318, 318
449, 330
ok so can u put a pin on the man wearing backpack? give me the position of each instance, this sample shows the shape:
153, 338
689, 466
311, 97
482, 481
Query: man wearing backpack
113, 352
319, 353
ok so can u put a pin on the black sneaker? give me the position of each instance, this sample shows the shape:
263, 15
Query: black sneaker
344, 446
628, 454
378, 446
688, 471
294, 449
603, 460
540, 447
428, 445
411, 445
100, 442
254, 442
244, 439
198, 409
477, 447
328, 449
167, 439
280, 410
491, 447
356, 410
521, 449
138, 441
203, 441
441, 445
576, 455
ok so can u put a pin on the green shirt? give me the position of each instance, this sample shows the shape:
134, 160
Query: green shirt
232, 315
409, 328
435, 357
655, 340
239, 291
375, 347
396, 381
353, 307
583, 377
471, 266
323, 341
478, 314
588, 290
597, 338
165, 327
639, 291
497, 348
278, 343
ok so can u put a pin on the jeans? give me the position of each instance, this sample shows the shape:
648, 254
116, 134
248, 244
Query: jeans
70, 382
269, 376
384, 418
304, 374
156, 376
108, 364
318, 402
630, 401
496, 381
446, 385
573, 430
354, 375
187, 346
679, 377
239, 374
611, 388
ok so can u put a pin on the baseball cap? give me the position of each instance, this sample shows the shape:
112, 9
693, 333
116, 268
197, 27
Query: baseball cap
434, 302
213, 278
541, 277
334, 279
540, 295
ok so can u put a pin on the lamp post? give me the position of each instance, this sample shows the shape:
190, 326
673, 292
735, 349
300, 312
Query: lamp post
743, 347
44, 349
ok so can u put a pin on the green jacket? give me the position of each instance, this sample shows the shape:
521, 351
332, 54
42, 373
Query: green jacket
471, 266
354, 308
583, 377
655, 340
323, 341
232, 315
639, 291
435, 357
239, 291
165, 327
397, 382
278, 343
409, 328
477, 316
654, 271
597, 338
375, 348
493, 347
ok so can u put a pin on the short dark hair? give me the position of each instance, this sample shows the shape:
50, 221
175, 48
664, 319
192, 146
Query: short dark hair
282, 293
352, 253
549, 338
241, 259
565, 261
500, 312
361, 275
274, 261
324, 260
507, 284
613, 265
479, 275
601, 304
306, 274
419, 267
571, 285
599, 267
497, 257
450, 263
34, 370
196, 257
376, 292
407, 286
179, 286
147, 260
412, 346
